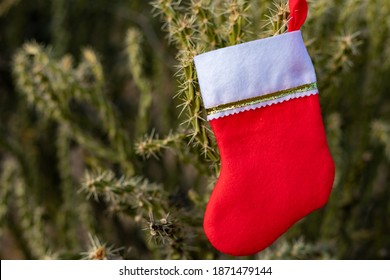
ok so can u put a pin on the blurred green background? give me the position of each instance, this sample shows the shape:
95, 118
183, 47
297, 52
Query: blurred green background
104, 150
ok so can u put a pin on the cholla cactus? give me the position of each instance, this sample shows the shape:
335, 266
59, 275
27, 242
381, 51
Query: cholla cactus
25, 209
51, 85
136, 64
100, 251
298, 250
202, 25
94, 145
132, 195
163, 230
151, 145
277, 20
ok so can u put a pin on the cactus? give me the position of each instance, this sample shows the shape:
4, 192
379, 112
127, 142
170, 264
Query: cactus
105, 151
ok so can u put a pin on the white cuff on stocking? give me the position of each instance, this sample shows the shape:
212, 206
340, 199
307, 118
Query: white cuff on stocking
255, 74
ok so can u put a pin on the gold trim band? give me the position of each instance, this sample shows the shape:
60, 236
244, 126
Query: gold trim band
259, 99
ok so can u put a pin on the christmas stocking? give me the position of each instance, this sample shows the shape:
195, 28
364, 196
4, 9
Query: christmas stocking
263, 106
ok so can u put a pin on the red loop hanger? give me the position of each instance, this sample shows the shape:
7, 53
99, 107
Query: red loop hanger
298, 14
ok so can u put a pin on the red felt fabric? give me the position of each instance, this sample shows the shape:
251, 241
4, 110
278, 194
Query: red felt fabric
298, 13
275, 169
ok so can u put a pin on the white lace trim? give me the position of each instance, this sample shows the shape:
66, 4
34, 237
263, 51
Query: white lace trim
261, 105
